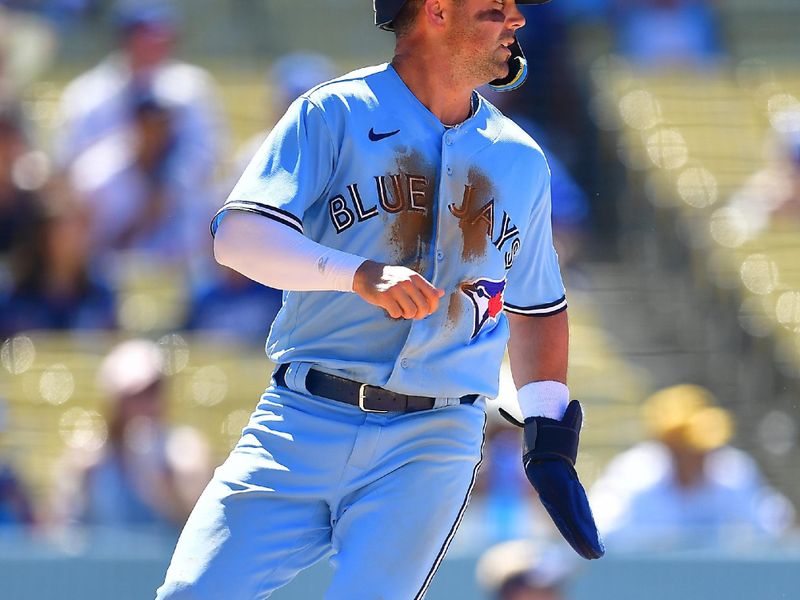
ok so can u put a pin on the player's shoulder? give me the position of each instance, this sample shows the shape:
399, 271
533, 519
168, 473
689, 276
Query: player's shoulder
507, 131
353, 87
508, 134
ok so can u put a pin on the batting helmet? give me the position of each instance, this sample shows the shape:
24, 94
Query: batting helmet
387, 10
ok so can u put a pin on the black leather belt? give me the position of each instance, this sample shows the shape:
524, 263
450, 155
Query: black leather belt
369, 398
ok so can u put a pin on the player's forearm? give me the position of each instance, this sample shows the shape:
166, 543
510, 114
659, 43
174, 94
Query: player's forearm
276, 255
538, 350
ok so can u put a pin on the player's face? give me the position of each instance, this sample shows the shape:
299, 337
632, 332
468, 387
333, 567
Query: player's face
480, 33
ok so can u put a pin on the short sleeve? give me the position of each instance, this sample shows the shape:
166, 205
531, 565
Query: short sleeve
289, 172
534, 286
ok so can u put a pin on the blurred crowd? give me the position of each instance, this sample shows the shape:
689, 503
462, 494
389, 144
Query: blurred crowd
138, 160
139, 163
146, 473
684, 487
133, 178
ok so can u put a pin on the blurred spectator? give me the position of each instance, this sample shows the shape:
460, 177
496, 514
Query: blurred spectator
138, 200
146, 473
686, 488
15, 506
102, 101
525, 570
54, 285
667, 33
19, 180
235, 307
771, 197
141, 93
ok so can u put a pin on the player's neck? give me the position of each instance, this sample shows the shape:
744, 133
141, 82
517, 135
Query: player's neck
441, 93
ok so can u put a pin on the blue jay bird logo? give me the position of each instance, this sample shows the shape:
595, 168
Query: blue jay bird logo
487, 299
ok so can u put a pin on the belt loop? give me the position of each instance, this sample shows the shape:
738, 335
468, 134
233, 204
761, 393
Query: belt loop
445, 402
296, 375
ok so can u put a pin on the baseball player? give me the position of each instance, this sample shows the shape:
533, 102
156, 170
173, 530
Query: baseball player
410, 222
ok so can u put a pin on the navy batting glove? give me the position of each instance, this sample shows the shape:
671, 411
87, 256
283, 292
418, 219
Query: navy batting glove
549, 454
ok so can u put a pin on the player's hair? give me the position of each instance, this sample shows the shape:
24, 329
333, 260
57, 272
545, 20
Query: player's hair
405, 19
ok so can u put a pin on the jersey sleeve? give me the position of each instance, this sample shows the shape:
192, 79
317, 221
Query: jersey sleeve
534, 286
290, 170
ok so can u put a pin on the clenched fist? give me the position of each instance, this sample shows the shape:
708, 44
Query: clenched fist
401, 292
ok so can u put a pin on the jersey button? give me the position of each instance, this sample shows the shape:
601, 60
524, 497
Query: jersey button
449, 170
440, 255
448, 140
404, 363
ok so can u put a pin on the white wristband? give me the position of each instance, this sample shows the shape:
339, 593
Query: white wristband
543, 399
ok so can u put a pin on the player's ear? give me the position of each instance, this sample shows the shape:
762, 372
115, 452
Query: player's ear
433, 11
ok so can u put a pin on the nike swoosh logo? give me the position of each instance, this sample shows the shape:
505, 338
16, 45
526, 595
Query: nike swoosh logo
376, 137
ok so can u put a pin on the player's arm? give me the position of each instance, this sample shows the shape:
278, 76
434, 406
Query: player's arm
276, 255
538, 348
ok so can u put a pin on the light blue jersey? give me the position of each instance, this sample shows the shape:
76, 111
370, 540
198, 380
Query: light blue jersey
361, 165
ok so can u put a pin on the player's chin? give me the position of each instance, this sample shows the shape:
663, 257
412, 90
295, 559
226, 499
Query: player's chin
500, 69
500, 62
492, 67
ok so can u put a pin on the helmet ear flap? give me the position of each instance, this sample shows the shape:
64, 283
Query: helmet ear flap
386, 11
517, 70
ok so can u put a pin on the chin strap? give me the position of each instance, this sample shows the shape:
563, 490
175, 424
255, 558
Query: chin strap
517, 70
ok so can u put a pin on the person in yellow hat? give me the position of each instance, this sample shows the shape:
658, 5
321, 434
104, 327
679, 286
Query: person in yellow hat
686, 486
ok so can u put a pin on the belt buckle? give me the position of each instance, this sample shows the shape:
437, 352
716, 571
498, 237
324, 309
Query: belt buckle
361, 400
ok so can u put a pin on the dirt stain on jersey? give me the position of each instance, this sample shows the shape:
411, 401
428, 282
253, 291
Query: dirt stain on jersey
454, 309
477, 206
412, 231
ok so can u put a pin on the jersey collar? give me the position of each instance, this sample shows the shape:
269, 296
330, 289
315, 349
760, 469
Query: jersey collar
476, 103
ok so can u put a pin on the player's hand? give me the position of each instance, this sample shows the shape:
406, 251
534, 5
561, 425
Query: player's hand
548, 456
401, 292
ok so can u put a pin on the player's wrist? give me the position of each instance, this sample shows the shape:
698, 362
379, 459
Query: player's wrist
363, 275
340, 268
543, 399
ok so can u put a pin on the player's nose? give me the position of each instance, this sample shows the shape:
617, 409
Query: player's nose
514, 17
